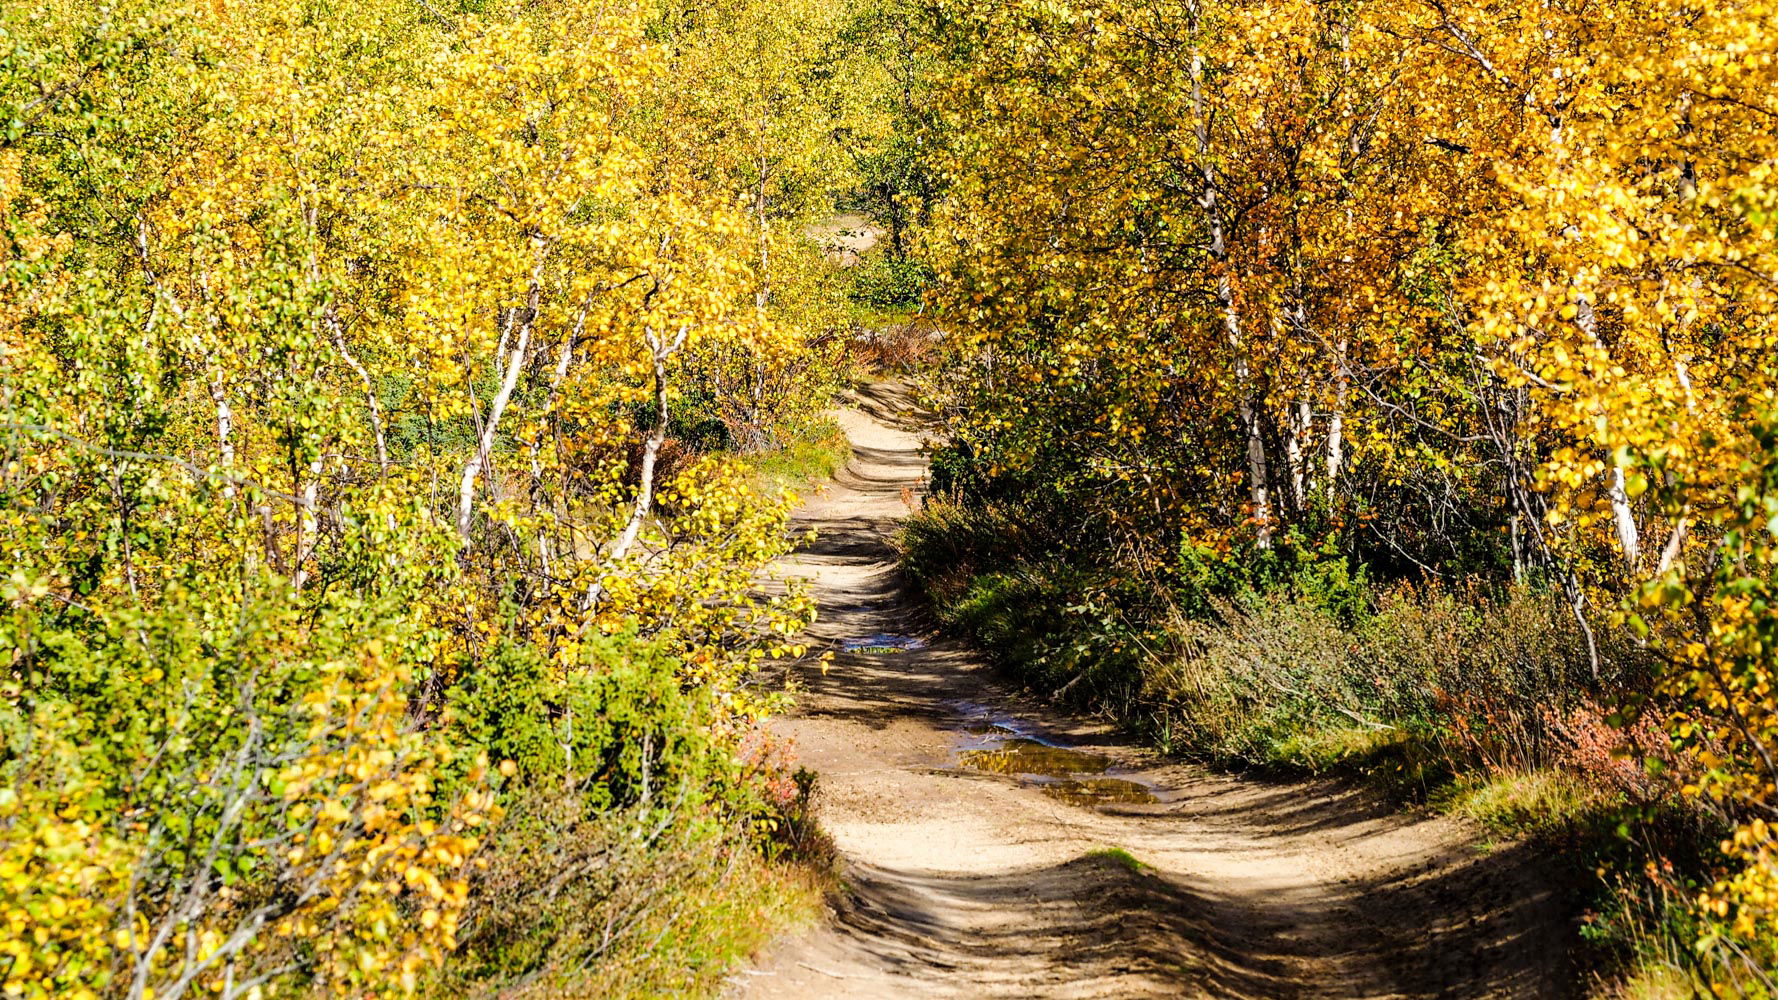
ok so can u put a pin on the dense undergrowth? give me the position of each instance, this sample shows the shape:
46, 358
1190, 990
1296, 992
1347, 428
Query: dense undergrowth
673, 855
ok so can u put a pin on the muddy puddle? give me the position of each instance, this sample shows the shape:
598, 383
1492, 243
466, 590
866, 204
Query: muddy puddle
881, 643
1077, 777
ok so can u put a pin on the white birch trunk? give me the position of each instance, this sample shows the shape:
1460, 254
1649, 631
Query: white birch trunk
370, 394
225, 424
1296, 450
1336, 420
1249, 416
1623, 517
478, 462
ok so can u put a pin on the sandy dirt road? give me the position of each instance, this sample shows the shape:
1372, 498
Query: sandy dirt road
964, 877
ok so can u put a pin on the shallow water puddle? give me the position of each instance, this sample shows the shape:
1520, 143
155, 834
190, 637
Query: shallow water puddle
1077, 777
1098, 791
882, 642
1019, 755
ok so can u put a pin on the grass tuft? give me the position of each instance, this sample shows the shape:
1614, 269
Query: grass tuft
814, 456
1119, 856
1654, 981
720, 925
1544, 804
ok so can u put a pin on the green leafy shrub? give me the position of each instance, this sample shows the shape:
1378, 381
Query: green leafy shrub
631, 831
281, 810
622, 726
886, 281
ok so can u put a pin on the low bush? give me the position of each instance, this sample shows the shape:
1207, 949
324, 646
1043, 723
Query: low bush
1315, 670
894, 344
629, 857
887, 281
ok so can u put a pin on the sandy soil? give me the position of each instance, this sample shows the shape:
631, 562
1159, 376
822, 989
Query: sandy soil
961, 883
847, 238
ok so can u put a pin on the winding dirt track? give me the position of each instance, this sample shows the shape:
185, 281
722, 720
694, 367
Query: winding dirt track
960, 883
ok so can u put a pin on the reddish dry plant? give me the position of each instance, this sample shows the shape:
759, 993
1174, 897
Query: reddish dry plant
789, 793
898, 347
769, 763
1610, 756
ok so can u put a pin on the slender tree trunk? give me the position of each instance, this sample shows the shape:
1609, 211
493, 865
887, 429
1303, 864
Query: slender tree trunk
1624, 518
513, 366
370, 393
225, 424
1336, 419
651, 450
1248, 413
1257, 465
1675, 541
764, 294
478, 462
1622, 515
308, 524
1518, 546
1296, 450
